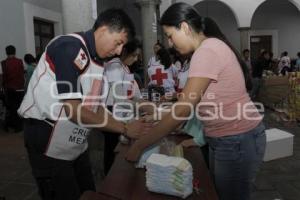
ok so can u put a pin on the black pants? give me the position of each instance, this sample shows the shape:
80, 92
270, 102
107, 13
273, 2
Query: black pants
284, 70
56, 179
13, 101
111, 141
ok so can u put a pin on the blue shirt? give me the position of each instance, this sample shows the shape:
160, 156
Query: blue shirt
62, 54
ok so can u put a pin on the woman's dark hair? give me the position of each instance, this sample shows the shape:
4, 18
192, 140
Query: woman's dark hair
29, 59
298, 54
159, 44
130, 47
164, 58
246, 51
285, 53
174, 55
182, 12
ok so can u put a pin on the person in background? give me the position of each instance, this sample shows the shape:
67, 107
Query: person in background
262, 63
297, 66
218, 81
30, 61
284, 64
13, 84
154, 60
246, 58
161, 75
122, 88
138, 70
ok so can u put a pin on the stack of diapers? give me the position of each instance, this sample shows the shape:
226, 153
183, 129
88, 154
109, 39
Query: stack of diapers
169, 175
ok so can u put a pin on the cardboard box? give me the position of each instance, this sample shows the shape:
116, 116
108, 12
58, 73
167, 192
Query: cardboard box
279, 144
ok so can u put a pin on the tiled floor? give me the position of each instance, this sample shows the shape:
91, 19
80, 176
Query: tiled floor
16, 181
278, 179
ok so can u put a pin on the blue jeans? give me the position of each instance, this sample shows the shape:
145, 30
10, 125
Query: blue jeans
234, 162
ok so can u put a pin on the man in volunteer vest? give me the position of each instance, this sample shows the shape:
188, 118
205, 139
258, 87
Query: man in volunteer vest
63, 101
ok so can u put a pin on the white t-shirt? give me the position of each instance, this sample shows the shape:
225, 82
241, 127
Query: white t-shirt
284, 61
121, 82
153, 61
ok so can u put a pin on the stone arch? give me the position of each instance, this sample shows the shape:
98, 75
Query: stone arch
222, 14
227, 4
296, 3
279, 19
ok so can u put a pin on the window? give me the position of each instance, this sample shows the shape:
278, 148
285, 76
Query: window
43, 33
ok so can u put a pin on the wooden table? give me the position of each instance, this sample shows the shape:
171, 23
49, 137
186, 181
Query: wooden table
126, 182
90, 195
274, 90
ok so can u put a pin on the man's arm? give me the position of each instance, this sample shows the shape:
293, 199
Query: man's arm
102, 119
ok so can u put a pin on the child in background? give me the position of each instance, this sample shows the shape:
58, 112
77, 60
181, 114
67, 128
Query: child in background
154, 60
30, 62
121, 88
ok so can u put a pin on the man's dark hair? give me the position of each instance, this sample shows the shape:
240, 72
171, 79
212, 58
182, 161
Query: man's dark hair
246, 50
264, 53
10, 50
117, 20
29, 59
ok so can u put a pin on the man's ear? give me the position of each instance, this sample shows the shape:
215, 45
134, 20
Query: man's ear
185, 28
101, 30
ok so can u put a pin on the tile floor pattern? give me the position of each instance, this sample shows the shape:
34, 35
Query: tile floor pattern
277, 180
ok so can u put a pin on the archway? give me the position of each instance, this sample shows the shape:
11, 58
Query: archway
280, 20
223, 16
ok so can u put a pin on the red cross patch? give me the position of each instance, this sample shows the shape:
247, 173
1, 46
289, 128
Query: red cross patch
81, 59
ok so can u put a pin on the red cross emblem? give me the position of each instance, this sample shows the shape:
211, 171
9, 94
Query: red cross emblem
130, 90
159, 76
82, 56
129, 93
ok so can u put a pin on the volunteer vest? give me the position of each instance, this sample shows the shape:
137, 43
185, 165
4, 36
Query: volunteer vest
68, 140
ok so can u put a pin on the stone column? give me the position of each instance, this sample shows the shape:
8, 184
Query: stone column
78, 15
149, 28
244, 38
165, 4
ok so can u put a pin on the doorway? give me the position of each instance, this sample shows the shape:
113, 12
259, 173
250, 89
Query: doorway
43, 33
258, 43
